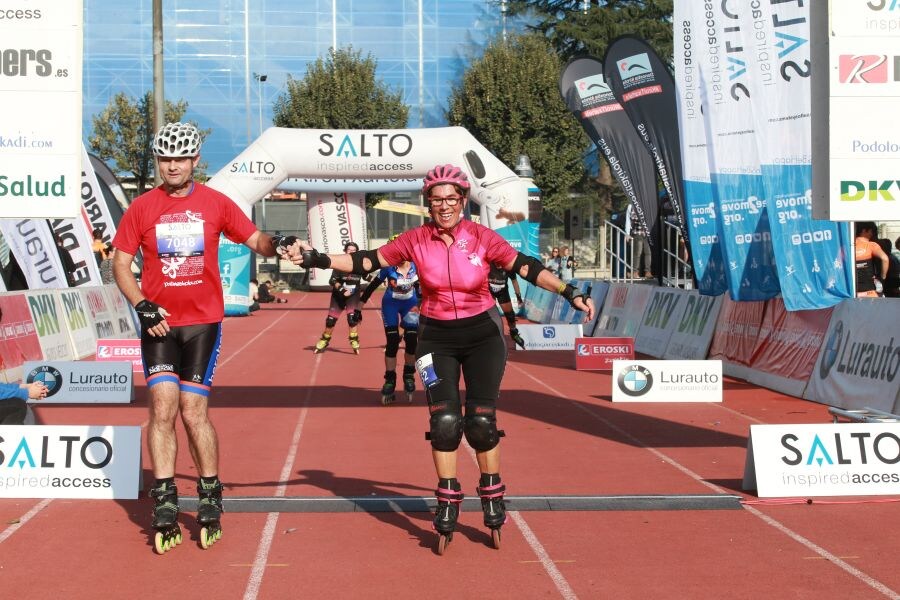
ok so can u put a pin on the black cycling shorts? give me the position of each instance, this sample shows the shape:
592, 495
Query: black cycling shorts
187, 355
474, 346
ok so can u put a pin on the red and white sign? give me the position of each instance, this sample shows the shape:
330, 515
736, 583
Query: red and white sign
113, 349
598, 354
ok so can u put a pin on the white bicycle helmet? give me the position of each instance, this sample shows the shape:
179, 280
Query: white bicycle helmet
177, 140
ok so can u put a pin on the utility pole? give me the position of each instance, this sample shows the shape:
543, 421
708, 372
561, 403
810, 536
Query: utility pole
159, 96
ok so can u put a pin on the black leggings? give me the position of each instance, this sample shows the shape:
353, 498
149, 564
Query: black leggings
473, 345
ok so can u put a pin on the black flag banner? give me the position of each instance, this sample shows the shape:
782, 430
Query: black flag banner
591, 100
645, 88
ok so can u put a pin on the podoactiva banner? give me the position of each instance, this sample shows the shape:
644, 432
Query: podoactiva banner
812, 255
590, 99
699, 202
646, 90
743, 218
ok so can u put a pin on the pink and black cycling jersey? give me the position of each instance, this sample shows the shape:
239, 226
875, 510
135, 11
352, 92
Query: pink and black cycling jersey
453, 279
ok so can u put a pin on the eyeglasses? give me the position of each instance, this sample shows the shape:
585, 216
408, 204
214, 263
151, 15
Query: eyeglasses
451, 201
555, 251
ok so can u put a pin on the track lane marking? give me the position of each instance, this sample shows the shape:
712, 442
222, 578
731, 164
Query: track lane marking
809, 544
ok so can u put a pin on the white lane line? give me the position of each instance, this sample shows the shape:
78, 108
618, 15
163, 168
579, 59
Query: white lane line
25, 518
257, 336
565, 590
851, 570
268, 533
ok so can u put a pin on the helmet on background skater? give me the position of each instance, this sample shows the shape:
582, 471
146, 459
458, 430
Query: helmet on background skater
443, 174
177, 140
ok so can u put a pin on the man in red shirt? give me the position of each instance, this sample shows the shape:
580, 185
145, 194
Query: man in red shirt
181, 307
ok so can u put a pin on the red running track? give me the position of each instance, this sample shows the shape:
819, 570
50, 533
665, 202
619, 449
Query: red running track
292, 424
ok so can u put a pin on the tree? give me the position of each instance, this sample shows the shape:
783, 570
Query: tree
577, 27
340, 92
123, 133
509, 100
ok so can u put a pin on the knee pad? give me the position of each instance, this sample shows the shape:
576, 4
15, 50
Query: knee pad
481, 431
393, 341
354, 317
446, 431
330, 321
410, 341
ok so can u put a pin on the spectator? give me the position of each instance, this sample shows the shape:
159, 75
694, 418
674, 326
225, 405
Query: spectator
567, 265
639, 235
554, 263
891, 283
254, 295
13, 396
106, 265
98, 246
264, 295
870, 260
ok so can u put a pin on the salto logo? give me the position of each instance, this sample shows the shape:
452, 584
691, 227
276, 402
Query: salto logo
863, 68
851, 191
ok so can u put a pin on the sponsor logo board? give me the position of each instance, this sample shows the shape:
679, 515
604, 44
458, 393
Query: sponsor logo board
598, 354
550, 337
121, 349
667, 381
82, 382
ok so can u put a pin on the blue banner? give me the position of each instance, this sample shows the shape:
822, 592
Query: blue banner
706, 247
234, 267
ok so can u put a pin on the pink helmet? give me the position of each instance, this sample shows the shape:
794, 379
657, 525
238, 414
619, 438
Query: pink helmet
446, 174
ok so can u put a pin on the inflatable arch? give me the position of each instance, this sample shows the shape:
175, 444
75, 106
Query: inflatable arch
339, 160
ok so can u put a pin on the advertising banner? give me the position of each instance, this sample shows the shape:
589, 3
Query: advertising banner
81, 382
550, 337
50, 325
667, 381
644, 87
859, 363
539, 304
663, 312
70, 461
864, 87
599, 290
787, 346
31, 242
694, 329
234, 268
735, 335
833, 459
18, 337
40, 125
80, 330
743, 217
699, 201
76, 240
101, 316
591, 100
598, 354
623, 310
119, 350
123, 316
94, 209
814, 267
335, 219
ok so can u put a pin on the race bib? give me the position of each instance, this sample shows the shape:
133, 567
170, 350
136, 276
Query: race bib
425, 368
179, 239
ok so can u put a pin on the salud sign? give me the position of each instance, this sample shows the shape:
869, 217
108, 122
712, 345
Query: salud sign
598, 353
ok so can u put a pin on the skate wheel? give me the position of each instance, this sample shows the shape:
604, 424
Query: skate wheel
209, 535
385, 400
159, 543
409, 397
495, 537
443, 542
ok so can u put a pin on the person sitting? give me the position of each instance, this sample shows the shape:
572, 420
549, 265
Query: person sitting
13, 396
254, 295
264, 295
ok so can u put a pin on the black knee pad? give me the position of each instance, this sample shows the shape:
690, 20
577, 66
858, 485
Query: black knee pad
481, 431
330, 321
446, 431
410, 341
393, 341
354, 317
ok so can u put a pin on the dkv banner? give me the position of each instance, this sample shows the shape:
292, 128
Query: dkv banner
335, 219
813, 256
702, 216
743, 217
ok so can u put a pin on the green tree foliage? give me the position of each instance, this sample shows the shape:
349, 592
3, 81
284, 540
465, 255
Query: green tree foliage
509, 100
577, 27
123, 133
340, 92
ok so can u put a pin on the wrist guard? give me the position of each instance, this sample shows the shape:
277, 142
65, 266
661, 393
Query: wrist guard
148, 314
571, 294
312, 259
534, 267
359, 267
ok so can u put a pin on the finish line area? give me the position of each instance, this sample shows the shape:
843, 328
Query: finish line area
328, 493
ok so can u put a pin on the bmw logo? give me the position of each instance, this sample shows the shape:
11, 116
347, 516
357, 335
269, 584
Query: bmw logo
635, 380
49, 376
831, 350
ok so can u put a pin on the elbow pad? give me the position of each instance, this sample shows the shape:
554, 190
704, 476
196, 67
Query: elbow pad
358, 258
533, 264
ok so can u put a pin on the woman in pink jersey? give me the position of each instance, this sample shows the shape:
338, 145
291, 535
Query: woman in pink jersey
459, 332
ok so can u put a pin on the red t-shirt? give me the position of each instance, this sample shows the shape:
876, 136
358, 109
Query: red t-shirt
179, 238
454, 279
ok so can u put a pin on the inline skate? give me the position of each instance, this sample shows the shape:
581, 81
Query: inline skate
354, 342
387, 390
322, 343
449, 497
165, 518
209, 512
409, 381
491, 492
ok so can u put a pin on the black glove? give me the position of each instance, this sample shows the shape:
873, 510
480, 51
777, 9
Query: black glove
312, 259
283, 242
148, 313
517, 337
571, 294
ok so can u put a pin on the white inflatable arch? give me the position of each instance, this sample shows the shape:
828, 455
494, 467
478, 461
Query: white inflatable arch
345, 158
